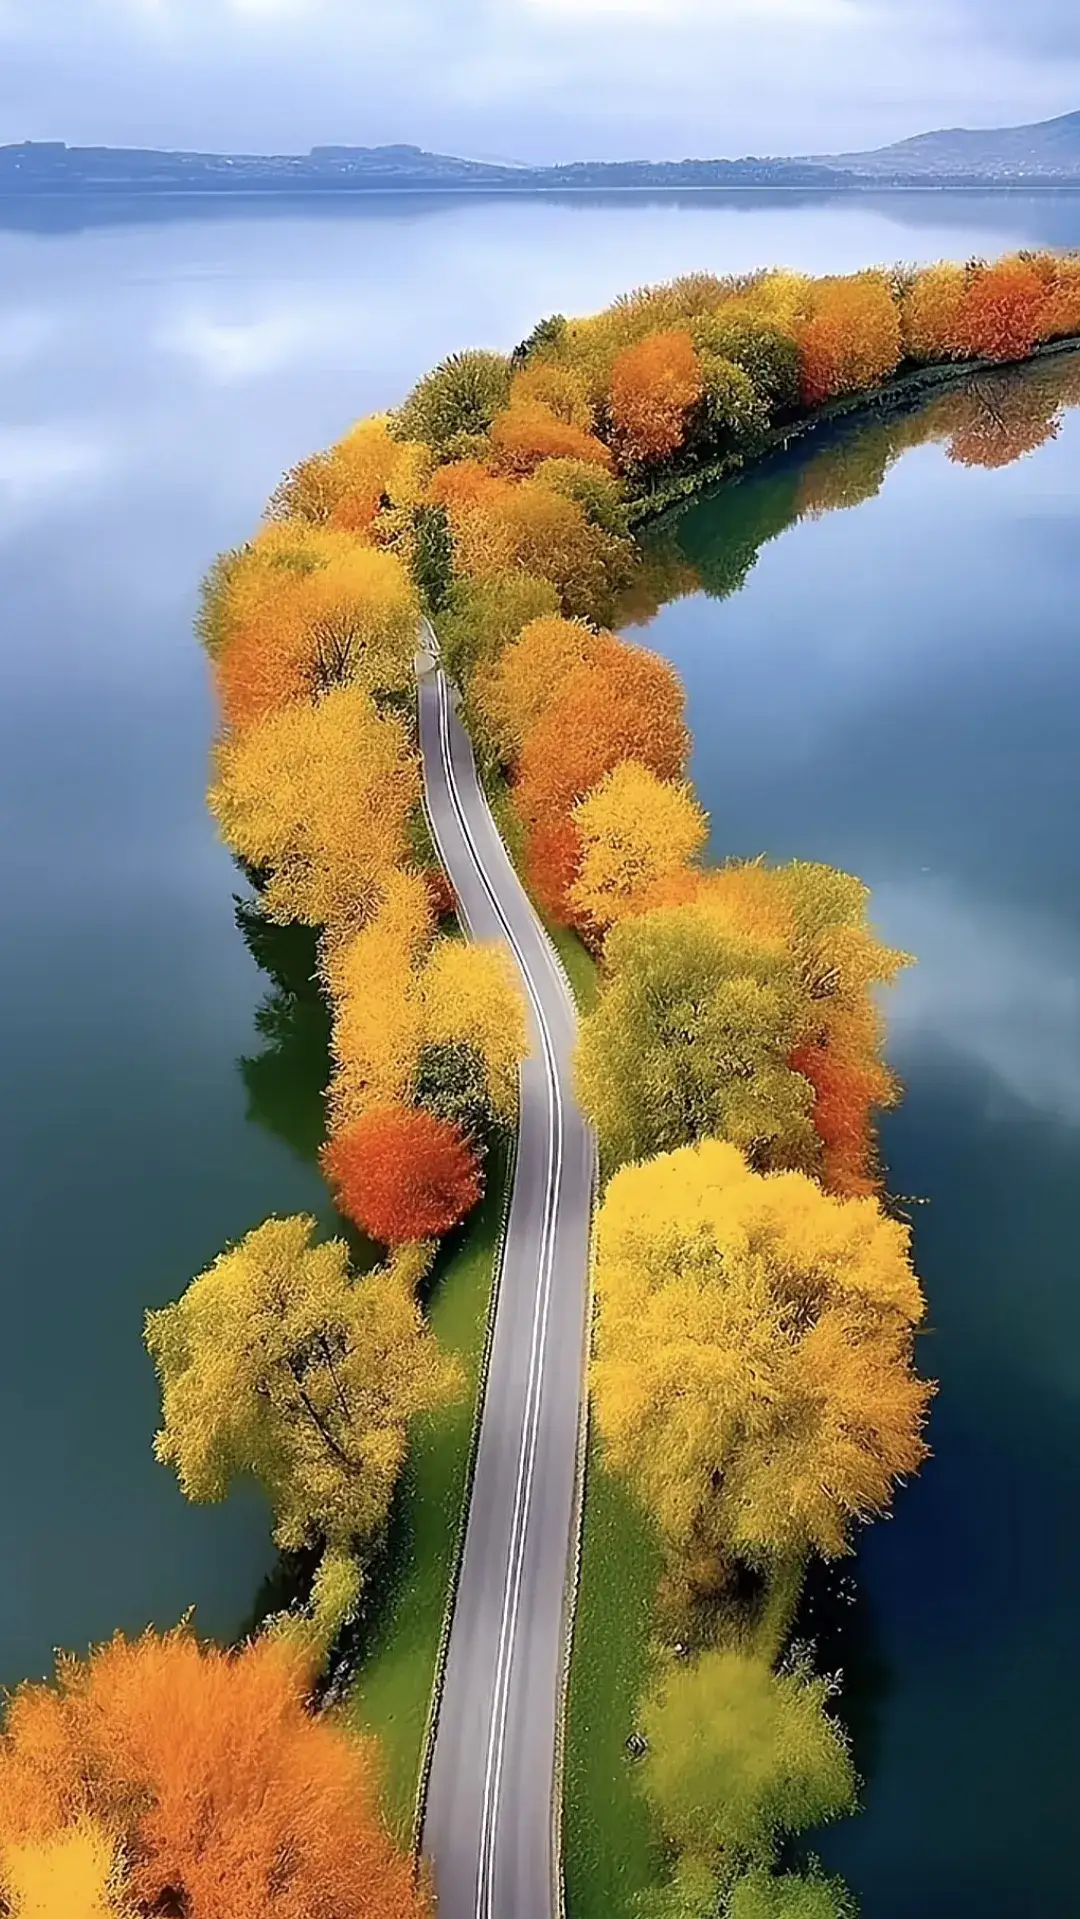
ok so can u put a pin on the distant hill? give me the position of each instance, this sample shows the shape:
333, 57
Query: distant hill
1047, 154
51, 167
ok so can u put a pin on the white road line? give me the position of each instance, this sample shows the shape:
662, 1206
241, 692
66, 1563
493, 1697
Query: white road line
539, 1333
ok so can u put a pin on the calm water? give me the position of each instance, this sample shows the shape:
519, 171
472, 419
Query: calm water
895, 689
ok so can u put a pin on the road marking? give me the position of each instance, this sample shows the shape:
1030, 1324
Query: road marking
541, 1322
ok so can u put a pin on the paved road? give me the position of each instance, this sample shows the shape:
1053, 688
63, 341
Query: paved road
490, 1827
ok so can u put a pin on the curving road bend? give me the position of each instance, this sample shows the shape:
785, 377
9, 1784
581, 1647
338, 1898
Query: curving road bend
491, 1819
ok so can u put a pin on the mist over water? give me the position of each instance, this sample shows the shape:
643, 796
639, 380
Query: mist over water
894, 689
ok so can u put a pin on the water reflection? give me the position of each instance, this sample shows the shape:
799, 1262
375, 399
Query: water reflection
895, 689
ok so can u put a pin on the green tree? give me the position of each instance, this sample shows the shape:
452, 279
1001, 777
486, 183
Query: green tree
432, 557
739, 1756
462, 395
482, 616
690, 1039
765, 353
277, 1365
732, 418
790, 1895
452, 1082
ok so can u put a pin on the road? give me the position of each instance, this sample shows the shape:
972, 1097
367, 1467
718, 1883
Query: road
491, 1821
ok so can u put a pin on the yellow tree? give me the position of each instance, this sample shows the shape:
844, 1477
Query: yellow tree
351, 620
529, 673
319, 797
278, 1365
470, 996
635, 830
74, 1873
753, 1370
373, 978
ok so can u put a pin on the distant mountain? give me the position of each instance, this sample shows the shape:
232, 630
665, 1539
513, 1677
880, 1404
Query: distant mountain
1047, 154
51, 167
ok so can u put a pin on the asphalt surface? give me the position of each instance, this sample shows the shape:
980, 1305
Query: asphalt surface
491, 1820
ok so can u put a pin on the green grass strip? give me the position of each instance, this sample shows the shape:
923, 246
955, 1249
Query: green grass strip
391, 1695
611, 1854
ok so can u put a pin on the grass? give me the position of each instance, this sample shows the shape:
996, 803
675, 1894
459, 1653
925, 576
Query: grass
391, 1694
611, 1853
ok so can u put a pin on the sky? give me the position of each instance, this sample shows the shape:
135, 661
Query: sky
530, 80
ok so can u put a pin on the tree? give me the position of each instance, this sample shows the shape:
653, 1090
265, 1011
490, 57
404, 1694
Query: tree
529, 673
350, 621
819, 917
402, 1174
462, 395
347, 485
220, 1793
739, 1756
634, 831
691, 1038
789, 1895
654, 386
499, 526
452, 1082
600, 494
732, 418
558, 387
75, 1873
277, 1365
764, 352
930, 313
753, 1355
1060, 317
528, 432
851, 338
471, 995
999, 317
432, 559
320, 797
484, 615
626, 705
373, 980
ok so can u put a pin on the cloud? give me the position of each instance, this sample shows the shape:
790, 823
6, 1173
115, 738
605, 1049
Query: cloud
1003, 991
227, 352
531, 79
41, 466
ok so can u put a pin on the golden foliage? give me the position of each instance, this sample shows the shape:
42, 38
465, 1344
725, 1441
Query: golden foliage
351, 620
471, 994
529, 674
930, 312
753, 1373
319, 796
277, 1365
73, 1873
851, 338
635, 830
529, 432
654, 385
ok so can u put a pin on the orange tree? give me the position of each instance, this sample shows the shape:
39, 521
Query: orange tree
171, 1777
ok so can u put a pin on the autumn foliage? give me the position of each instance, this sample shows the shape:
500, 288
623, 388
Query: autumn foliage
654, 385
164, 1776
403, 1174
753, 1353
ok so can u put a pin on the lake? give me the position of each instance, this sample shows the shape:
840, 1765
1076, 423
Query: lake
894, 689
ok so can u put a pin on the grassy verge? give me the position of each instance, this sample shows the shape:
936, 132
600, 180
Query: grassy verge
610, 1851
392, 1691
